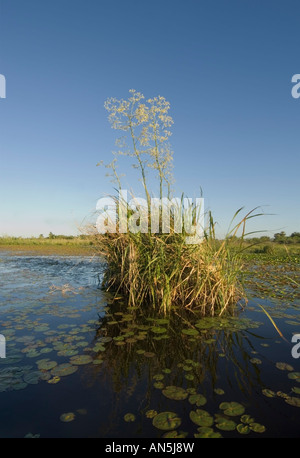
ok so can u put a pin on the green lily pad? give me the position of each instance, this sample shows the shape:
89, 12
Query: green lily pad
201, 418
268, 393
67, 417
63, 370
80, 360
175, 435
247, 419
294, 376
219, 391
158, 330
243, 428
129, 417
151, 413
255, 361
175, 392
296, 390
190, 332
197, 399
293, 401
207, 432
166, 421
32, 378
225, 424
232, 408
284, 366
47, 365
257, 427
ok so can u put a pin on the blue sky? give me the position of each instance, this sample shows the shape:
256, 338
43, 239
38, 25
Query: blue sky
225, 67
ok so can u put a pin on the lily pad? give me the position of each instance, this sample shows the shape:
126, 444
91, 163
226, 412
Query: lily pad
232, 408
197, 399
80, 360
257, 427
129, 417
293, 401
158, 330
247, 419
284, 366
190, 332
225, 424
219, 391
63, 370
151, 413
67, 417
47, 365
201, 417
175, 392
294, 376
207, 432
268, 393
243, 428
166, 421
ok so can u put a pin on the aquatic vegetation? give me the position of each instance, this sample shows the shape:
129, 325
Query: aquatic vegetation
175, 392
166, 421
67, 417
232, 408
129, 417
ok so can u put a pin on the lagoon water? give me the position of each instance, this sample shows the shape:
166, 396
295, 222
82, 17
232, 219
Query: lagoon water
80, 365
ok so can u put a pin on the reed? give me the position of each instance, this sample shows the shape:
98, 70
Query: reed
160, 270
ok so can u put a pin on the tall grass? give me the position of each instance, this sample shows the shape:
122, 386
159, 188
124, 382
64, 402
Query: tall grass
159, 270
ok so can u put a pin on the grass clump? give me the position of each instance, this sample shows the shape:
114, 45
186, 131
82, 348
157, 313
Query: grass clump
159, 269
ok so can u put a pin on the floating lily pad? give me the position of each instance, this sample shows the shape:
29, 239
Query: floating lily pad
47, 365
296, 390
243, 428
284, 366
294, 376
197, 399
257, 427
225, 424
219, 391
247, 419
54, 380
175, 392
190, 332
151, 413
32, 378
175, 435
166, 421
255, 361
207, 432
149, 354
201, 417
67, 417
64, 370
232, 408
158, 330
129, 417
293, 401
268, 393
80, 360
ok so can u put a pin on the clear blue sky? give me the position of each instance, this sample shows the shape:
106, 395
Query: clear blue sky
225, 67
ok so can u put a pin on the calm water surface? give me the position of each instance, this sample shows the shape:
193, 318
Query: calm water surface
76, 364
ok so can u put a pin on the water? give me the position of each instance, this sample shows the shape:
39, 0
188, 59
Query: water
57, 321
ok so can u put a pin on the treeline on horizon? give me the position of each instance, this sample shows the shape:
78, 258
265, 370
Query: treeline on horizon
280, 237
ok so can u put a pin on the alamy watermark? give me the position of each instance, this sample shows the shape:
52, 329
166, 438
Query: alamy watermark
157, 216
296, 348
2, 346
2, 87
296, 88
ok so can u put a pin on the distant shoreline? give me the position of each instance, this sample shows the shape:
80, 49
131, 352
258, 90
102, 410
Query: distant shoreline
48, 250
